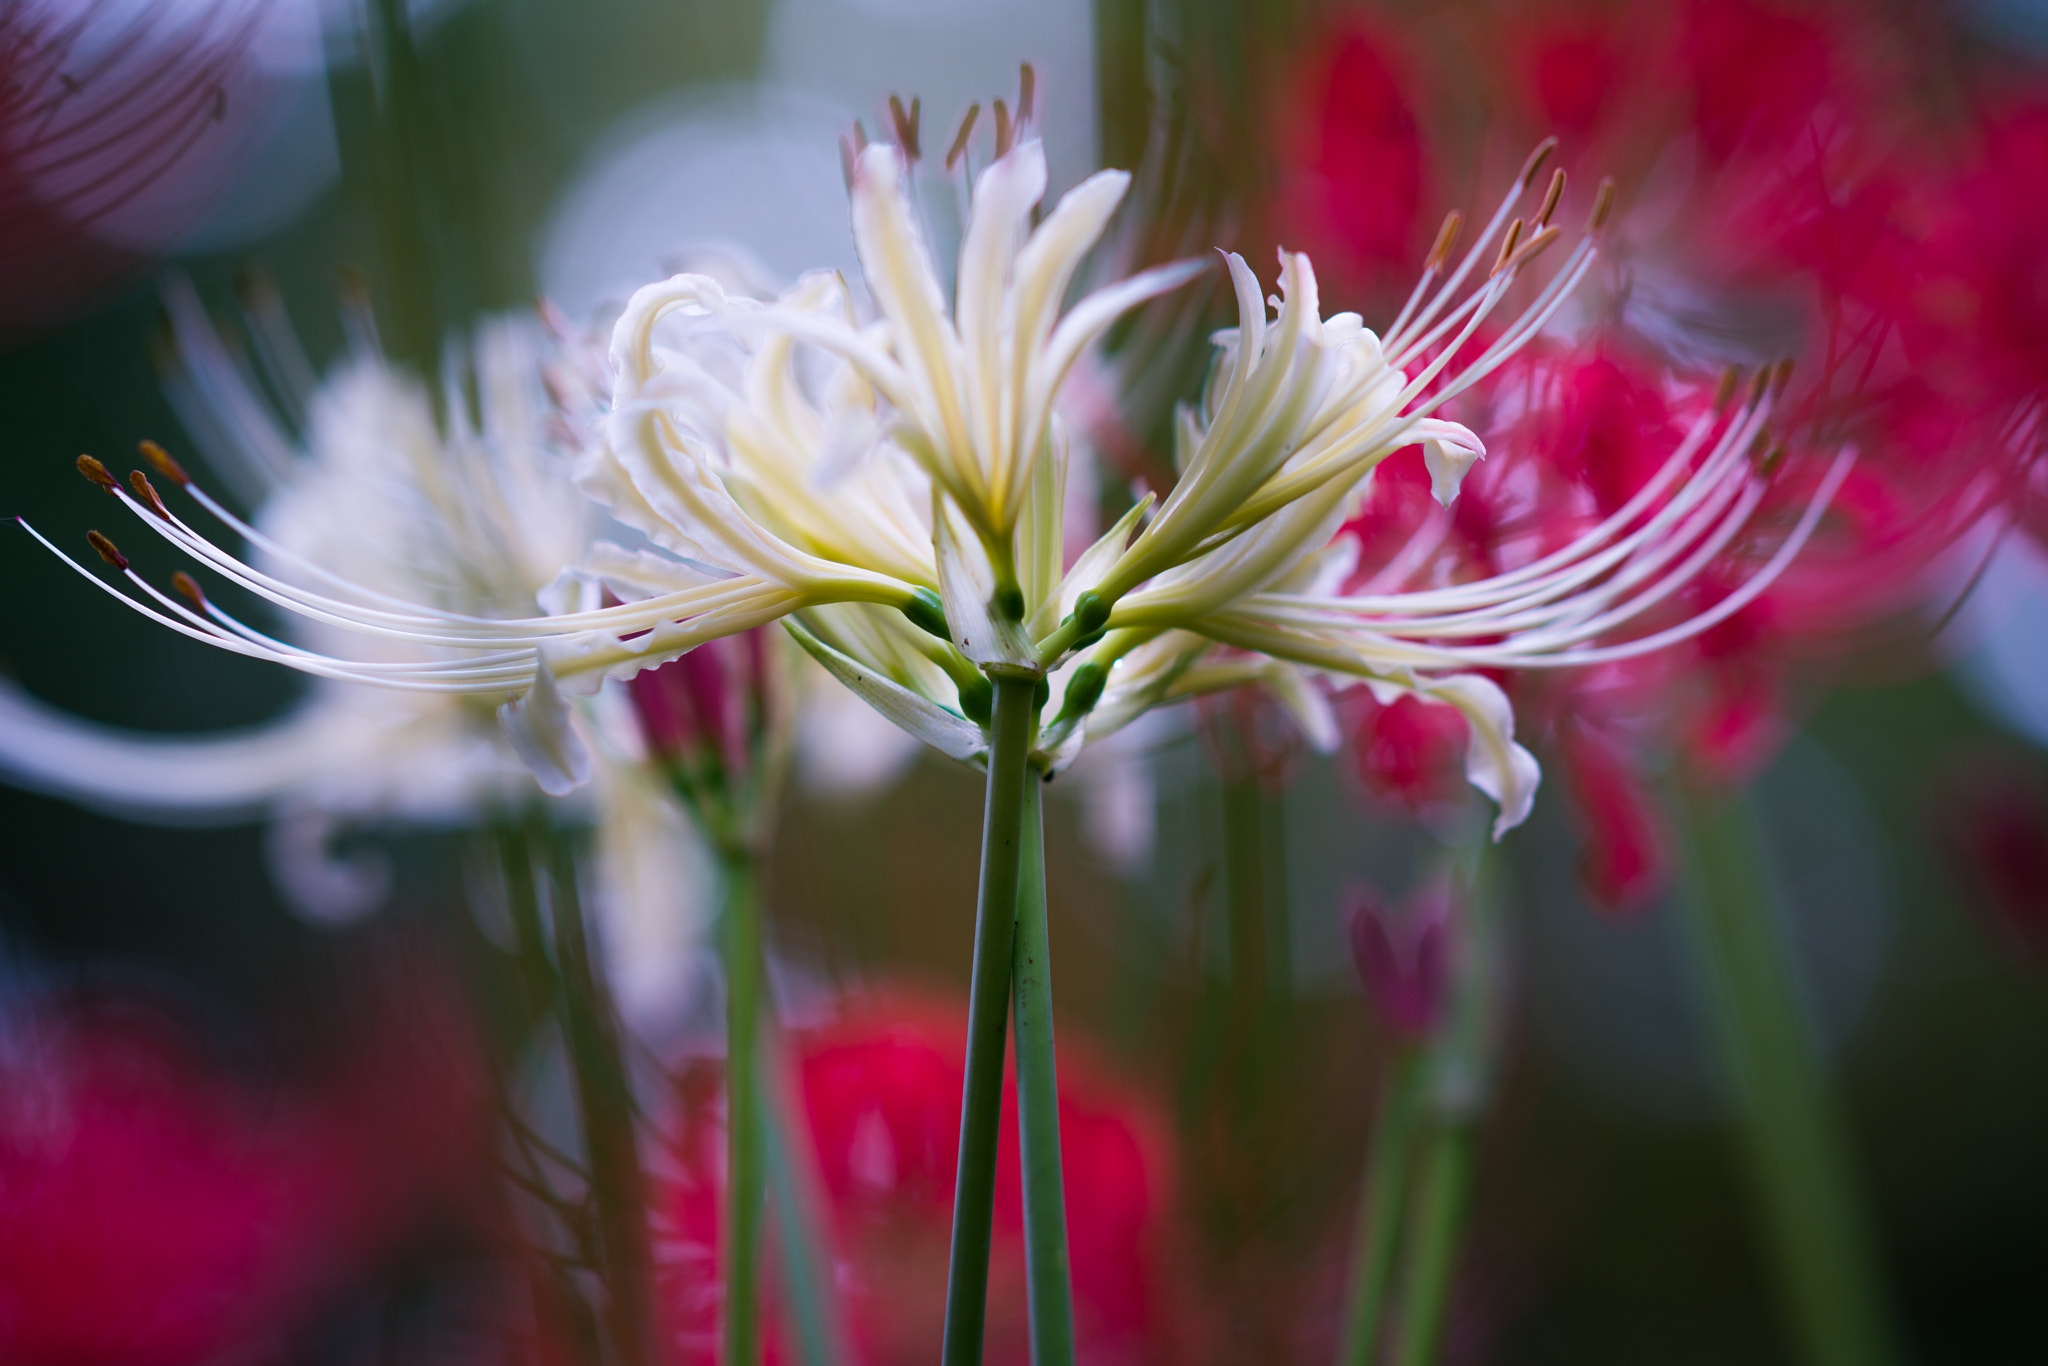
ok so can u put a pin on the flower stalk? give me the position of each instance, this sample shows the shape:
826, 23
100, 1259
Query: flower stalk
1379, 1207
1790, 1132
1048, 1277
539, 867
746, 1153
1013, 711
1444, 1173
797, 1196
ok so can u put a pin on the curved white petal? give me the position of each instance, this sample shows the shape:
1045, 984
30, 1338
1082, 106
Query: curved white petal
1449, 451
1494, 763
543, 734
221, 777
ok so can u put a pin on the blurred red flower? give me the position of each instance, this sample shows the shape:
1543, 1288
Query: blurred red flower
1993, 817
156, 1209
881, 1094
105, 110
1403, 954
1787, 194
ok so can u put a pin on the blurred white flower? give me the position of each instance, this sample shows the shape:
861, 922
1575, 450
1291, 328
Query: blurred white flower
472, 511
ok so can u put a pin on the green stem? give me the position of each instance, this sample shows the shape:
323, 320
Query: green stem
403, 144
1379, 1207
618, 1188
1048, 1279
1245, 886
988, 1001
1791, 1135
797, 1193
744, 1169
1445, 1171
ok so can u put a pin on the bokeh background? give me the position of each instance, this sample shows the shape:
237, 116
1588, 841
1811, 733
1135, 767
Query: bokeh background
574, 150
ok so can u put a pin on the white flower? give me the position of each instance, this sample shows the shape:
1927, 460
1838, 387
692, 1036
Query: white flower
894, 487
473, 512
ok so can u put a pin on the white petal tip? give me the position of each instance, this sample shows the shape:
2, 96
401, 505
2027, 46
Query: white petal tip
541, 732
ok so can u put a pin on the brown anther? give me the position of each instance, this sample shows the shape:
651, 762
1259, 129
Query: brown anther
1027, 92
1446, 238
1781, 376
906, 125
106, 549
1529, 250
1730, 377
1004, 130
160, 460
188, 588
1550, 198
959, 147
1759, 386
846, 159
1758, 446
1507, 247
95, 471
1603, 204
1772, 461
1536, 160
140, 483
860, 138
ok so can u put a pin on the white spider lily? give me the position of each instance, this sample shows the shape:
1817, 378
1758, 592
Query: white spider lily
385, 503
896, 487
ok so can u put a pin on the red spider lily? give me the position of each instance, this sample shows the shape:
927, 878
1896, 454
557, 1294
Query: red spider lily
1993, 818
1792, 200
1403, 955
1413, 752
1625, 859
707, 705
1352, 192
102, 107
157, 1210
881, 1094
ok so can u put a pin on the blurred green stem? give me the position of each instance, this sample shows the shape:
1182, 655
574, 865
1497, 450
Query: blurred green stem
1379, 1206
1444, 1170
400, 156
1048, 1278
798, 1195
988, 1003
1791, 1135
744, 1169
1256, 908
536, 859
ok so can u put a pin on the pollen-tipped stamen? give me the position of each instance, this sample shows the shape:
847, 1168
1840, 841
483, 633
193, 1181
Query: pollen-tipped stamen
97, 473
959, 147
106, 550
147, 493
160, 460
1551, 198
905, 123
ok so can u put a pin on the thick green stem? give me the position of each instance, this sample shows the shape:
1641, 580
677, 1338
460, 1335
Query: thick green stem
988, 1002
744, 1154
1048, 1279
1444, 1170
604, 1098
1790, 1132
1379, 1207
